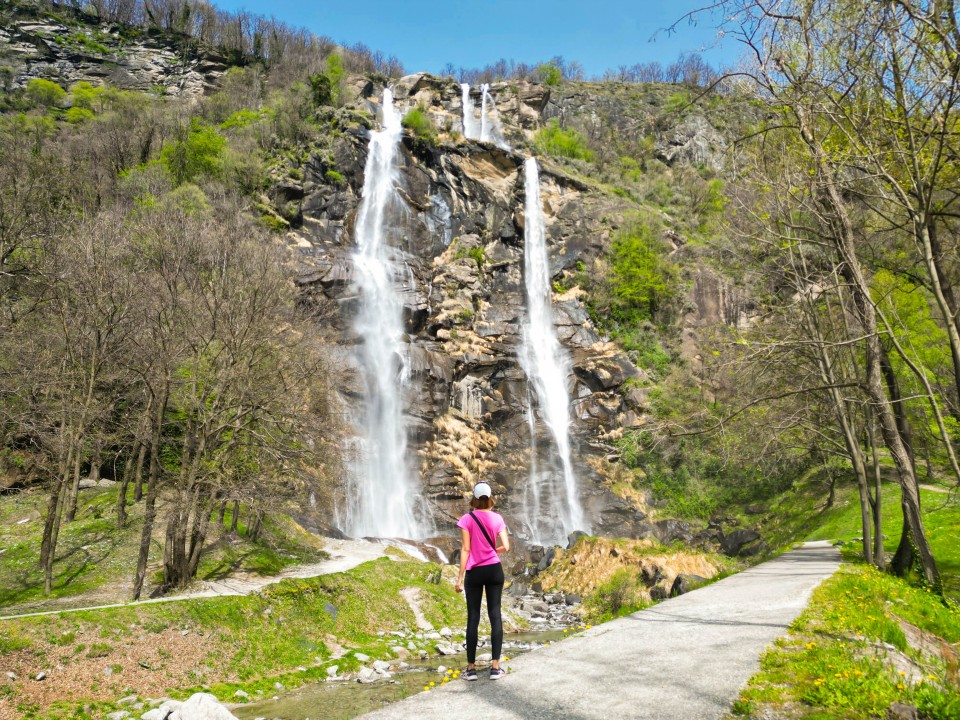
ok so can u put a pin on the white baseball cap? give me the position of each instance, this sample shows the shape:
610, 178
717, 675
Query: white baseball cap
481, 489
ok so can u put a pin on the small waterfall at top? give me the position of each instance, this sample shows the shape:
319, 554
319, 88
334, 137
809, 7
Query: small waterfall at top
552, 501
381, 493
484, 121
489, 129
470, 130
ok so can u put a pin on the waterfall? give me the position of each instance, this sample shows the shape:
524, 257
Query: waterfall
381, 494
490, 129
552, 502
484, 121
469, 114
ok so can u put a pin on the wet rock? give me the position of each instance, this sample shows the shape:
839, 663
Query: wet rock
685, 583
546, 560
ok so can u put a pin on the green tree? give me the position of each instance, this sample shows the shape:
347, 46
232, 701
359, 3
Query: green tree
199, 153
45, 92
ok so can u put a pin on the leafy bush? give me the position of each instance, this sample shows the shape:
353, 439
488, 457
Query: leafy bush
77, 115
642, 278
45, 92
335, 177
199, 153
327, 87
420, 124
550, 74
84, 95
554, 140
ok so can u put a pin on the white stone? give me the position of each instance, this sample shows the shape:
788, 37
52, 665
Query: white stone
381, 666
446, 632
128, 700
332, 670
242, 695
442, 669
278, 686
447, 649
11, 676
367, 675
201, 706
40, 676
433, 636
118, 715
361, 657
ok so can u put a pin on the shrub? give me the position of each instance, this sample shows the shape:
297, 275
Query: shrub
335, 177
326, 87
420, 124
642, 277
550, 74
84, 95
617, 596
554, 140
199, 153
45, 92
77, 115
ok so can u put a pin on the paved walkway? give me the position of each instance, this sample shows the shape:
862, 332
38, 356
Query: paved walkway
684, 659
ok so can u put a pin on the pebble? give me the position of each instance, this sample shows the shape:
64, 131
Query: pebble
242, 695
361, 657
442, 669
40, 676
184, 633
118, 715
278, 686
332, 670
128, 700
11, 676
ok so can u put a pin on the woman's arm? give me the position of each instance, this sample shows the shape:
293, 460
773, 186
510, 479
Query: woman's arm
504, 542
464, 554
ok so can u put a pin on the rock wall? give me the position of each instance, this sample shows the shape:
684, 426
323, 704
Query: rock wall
121, 57
461, 234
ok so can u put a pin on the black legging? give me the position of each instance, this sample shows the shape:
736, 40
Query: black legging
478, 578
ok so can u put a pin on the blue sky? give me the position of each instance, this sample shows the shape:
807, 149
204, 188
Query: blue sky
426, 34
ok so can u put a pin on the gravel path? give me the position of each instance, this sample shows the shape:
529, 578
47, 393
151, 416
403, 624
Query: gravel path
685, 658
344, 555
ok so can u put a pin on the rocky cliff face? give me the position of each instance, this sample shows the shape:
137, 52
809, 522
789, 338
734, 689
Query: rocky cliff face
119, 56
461, 232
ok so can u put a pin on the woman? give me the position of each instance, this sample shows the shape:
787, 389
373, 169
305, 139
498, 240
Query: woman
480, 569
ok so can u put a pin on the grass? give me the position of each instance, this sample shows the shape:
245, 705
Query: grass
95, 558
941, 515
285, 633
833, 664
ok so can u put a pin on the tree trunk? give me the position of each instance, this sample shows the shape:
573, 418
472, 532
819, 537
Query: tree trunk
73, 492
234, 521
138, 474
876, 504
198, 535
223, 512
124, 484
150, 502
852, 272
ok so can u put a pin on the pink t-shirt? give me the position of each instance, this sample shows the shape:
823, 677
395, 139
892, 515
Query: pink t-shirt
480, 551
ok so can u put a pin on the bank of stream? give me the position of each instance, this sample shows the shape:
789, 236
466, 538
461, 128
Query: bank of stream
347, 698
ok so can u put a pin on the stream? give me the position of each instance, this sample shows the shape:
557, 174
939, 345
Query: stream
340, 700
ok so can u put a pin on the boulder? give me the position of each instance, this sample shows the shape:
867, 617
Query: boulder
447, 649
201, 706
368, 675
685, 583
574, 536
164, 711
670, 530
732, 544
361, 657
572, 599
902, 711
659, 592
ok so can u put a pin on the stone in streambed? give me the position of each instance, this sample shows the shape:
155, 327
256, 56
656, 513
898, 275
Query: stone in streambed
367, 676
